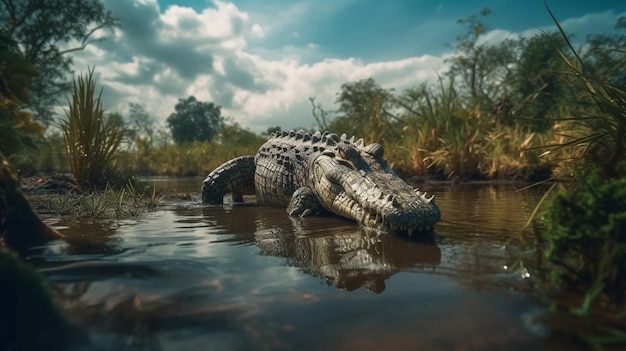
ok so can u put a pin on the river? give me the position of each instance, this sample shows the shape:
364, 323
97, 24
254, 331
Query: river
246, 277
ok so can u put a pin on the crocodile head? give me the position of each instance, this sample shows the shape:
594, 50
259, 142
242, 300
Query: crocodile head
355, 181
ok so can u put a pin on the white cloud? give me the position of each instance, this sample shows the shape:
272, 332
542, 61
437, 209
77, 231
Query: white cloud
257, 31
157, 57
287, 104
496, 36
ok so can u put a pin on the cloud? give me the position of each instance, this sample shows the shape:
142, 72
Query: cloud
160, 55
287, 103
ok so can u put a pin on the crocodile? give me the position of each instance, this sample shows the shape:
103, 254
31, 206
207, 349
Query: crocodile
323, 173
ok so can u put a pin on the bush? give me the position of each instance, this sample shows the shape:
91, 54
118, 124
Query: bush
586, 234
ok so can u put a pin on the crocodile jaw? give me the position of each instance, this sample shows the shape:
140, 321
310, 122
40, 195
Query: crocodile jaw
375, 199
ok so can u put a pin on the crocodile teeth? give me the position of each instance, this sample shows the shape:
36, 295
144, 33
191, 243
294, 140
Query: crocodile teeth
430, 199
410, 231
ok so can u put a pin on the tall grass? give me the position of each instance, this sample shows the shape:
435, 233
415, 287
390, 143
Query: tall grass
446, 137
191, 159
595, 132
91, 138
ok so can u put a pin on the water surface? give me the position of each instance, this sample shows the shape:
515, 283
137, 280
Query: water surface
243, 276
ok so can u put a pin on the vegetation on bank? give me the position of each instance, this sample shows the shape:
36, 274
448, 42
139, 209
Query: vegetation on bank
585, 222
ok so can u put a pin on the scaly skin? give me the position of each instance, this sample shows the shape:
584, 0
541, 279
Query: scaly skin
311, 174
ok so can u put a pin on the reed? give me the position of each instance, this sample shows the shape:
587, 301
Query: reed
595, 131
91, 138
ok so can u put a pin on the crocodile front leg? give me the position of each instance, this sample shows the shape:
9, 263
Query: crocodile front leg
235, 177
304, 203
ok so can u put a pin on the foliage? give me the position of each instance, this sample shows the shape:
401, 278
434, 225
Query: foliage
141, 127
194, 121
233, 134
44, 32
274, 129
364, 110
91, 138
539, 92
585, 224
483, 68
17, 127
597, 126
586, 233
605, 55
127, 202
51, 153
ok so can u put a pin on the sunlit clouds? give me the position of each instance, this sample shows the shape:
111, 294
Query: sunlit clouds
250, 61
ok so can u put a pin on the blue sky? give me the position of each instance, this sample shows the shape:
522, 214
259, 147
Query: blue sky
262, 60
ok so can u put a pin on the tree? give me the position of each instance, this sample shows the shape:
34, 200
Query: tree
268, 132
365, 109
535, 84
482, 67
17, 127
194, 121
233, 134
140, 123
605, 57
45, 33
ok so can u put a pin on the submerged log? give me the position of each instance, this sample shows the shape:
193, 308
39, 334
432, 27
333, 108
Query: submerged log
19, 225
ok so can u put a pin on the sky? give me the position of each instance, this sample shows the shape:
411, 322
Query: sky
261, 60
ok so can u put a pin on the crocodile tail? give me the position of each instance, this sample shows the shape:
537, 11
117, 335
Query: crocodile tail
235, 177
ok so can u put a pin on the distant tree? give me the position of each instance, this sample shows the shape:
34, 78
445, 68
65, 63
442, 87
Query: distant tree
45, 32
233, 134
365, 109
140, 123
271, 130
483, 68
536, 87
194, 121
604, 55
322, 116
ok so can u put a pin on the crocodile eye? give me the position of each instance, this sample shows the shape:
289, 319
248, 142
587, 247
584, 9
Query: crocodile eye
343, 155
375, 149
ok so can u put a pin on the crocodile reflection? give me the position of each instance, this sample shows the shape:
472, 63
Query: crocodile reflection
330, 248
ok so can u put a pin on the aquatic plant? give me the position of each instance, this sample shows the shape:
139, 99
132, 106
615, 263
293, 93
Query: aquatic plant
91, 138
130, 201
